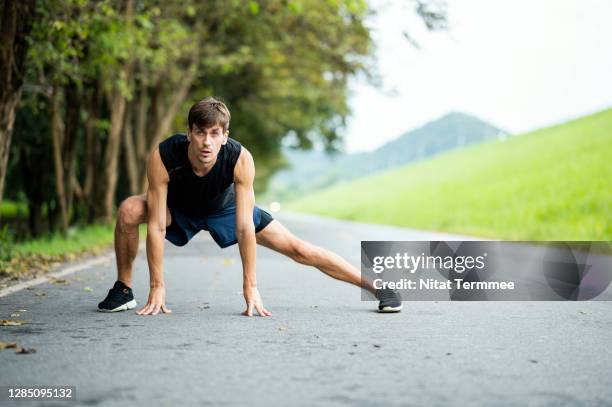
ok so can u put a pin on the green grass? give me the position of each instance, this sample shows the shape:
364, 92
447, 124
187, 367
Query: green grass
12, 210
77, 240
550, 184
22, 258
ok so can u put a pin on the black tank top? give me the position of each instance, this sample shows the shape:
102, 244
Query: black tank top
190, 193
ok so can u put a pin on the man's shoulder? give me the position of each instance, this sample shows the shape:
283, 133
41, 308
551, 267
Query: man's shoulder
233, 144
173, 151
177, 138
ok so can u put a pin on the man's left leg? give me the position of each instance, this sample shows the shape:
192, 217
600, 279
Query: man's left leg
276, 237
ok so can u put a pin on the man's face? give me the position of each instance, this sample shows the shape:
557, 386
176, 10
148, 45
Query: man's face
206, 143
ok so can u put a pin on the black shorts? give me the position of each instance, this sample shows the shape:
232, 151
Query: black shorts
221, 225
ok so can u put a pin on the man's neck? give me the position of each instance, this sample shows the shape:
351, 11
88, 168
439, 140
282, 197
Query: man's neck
199, 169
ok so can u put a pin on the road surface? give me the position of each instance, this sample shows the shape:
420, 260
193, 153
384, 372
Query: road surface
322, 346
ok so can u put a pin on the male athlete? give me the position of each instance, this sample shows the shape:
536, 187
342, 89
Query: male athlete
204, 181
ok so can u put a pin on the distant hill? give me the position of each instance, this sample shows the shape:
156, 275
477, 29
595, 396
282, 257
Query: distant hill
550, 184
311, 170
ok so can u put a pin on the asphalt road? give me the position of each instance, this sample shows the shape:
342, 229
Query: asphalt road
322, 346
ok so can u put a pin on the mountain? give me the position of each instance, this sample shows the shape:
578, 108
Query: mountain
312, 170
549, 184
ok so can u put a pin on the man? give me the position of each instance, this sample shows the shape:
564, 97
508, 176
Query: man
204, 181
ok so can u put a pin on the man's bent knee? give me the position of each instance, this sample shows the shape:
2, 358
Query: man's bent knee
132, 211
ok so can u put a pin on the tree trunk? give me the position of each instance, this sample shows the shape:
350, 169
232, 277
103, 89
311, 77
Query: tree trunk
33, 165
140, 134
130, 150
57, 135
17, 17
92, 144
73, 102
116, 103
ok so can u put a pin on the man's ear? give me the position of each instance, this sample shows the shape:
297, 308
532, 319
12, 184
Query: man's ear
226, 136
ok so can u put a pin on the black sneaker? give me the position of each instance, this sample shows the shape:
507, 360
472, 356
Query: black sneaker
390, 300
119, 298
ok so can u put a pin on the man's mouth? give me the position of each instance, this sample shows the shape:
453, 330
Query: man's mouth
205, 152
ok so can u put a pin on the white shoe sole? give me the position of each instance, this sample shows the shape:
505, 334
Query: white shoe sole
391, 309
124, 307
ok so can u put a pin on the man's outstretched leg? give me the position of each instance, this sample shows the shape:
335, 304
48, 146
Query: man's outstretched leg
276, 237
132, 213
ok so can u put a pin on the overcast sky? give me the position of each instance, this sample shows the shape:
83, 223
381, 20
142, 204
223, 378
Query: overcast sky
519, 64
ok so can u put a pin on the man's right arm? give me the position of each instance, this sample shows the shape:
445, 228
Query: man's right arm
156, 232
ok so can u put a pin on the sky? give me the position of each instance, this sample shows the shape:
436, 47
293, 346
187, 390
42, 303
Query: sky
519, 64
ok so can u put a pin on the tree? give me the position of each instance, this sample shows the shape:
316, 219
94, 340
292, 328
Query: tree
115, 77
17, 17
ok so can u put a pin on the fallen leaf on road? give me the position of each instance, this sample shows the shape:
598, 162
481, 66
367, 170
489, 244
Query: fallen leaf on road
25, 351
203, 307
228, 262
15, 315
10, 322
282, 328
7, 345
40, 294
59, 281
88, 289
376, 346
21, 310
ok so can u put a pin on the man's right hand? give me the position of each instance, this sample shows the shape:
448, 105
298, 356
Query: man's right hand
156, 302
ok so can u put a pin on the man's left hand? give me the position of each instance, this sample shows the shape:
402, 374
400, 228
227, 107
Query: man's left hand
253, 300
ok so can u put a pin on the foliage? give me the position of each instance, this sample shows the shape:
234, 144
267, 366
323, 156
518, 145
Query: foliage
6, 245
107, 80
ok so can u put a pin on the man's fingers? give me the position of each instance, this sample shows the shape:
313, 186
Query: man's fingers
144, 310
153, 309
260, 311
156, 308
250, 310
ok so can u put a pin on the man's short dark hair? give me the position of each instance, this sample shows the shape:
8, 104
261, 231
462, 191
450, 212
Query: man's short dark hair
209, 112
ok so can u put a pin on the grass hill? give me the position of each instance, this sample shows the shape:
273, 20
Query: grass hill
550, 184
311, 170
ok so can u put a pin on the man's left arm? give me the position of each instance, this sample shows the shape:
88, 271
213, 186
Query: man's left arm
244, 174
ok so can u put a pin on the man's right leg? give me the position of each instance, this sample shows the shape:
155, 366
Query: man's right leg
132, 213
